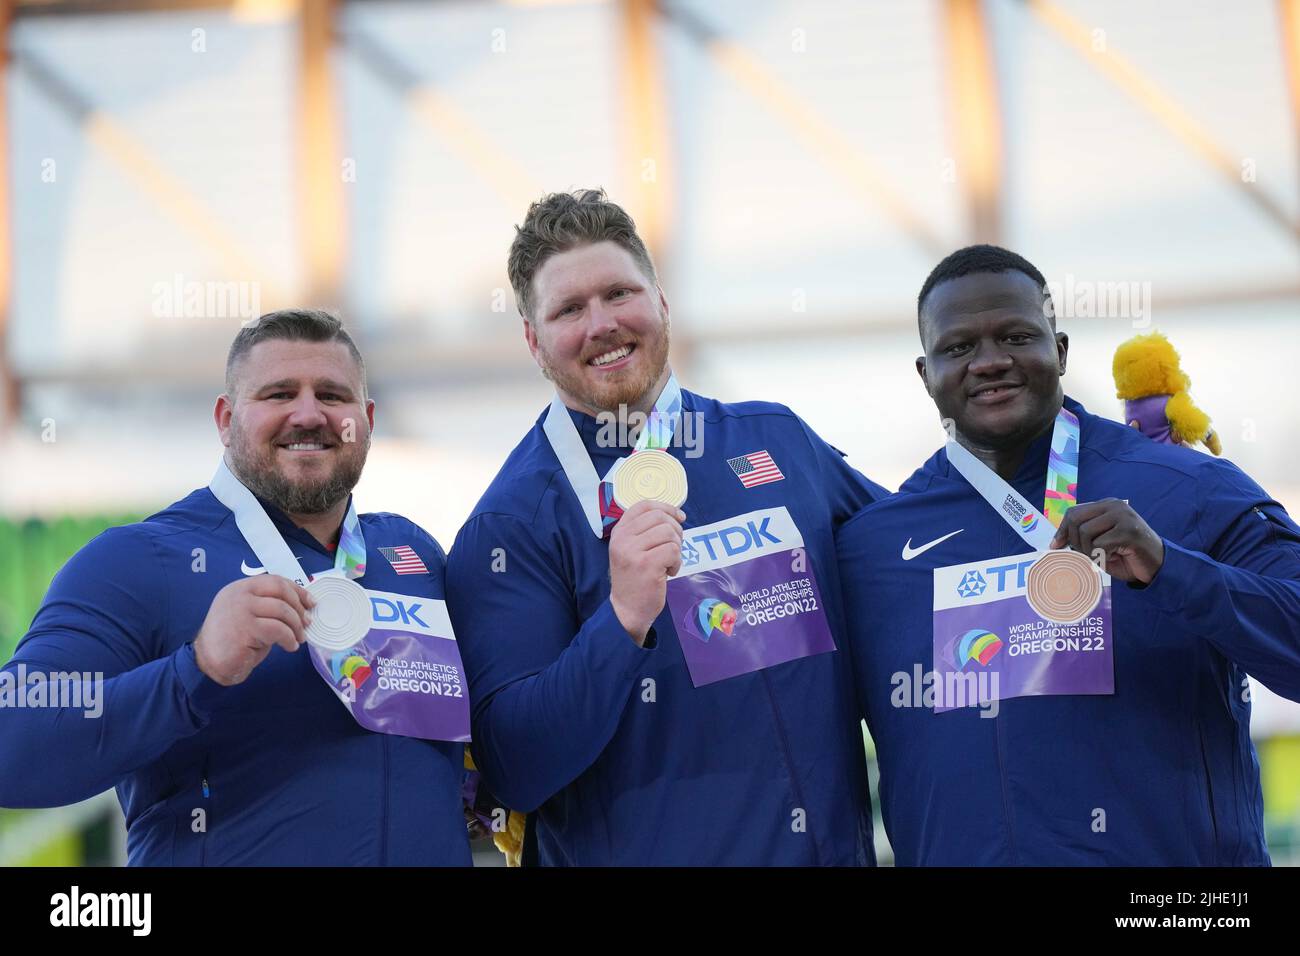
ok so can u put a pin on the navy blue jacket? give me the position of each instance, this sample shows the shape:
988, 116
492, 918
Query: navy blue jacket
622, 758
281, 771
1162, 772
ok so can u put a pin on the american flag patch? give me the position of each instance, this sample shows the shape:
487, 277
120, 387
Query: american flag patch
404, 560
756, 468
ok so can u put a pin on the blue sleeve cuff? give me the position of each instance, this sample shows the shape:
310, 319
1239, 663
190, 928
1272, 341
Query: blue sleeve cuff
200, 690
1173, 583
621, 652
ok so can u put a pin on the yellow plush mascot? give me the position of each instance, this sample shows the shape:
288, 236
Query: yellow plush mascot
1150, 379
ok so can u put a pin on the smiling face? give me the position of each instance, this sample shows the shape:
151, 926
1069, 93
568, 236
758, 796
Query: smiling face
297, 427
993, 361
599, 328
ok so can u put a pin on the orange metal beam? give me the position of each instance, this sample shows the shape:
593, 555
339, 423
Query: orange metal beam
974, 115
646, 141
9, 393
1289, 24
322, 210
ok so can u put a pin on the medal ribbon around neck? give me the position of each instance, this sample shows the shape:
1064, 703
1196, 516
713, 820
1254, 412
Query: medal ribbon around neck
1060, 494
266, 541
1062, 491
342, 613
596, 495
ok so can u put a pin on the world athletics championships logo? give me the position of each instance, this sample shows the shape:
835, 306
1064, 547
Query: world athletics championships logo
1028, 523
349, 664
711, 615
977, 644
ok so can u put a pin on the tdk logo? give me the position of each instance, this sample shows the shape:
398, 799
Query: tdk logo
734, 540
758, 535
385, 611
974, 584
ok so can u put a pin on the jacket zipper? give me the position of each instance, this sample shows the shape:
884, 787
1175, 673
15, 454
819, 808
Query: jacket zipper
1001, 752
207, 813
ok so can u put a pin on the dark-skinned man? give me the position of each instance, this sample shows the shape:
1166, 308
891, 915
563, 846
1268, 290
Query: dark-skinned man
1029, 709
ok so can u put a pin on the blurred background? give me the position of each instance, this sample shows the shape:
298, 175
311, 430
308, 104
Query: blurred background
172, 170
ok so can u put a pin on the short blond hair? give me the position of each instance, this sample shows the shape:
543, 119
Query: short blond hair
559, 222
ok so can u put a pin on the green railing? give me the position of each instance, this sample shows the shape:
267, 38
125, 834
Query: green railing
31, 553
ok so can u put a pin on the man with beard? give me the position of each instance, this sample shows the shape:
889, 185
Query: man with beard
1028, 710
219, 730
653, 656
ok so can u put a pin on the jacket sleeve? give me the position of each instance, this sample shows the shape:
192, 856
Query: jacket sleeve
99, 702
847, 490
1241, 590
547, 690
860, 618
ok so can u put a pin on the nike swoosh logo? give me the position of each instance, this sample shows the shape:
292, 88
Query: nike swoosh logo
910, 552
243, 566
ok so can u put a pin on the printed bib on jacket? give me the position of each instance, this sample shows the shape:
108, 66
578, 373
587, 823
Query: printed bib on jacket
746, 597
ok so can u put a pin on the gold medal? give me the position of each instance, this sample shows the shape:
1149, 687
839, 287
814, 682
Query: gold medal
650, 475
1063, 586
341, 616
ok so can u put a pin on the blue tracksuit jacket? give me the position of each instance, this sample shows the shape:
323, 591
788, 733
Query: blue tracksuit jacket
622, 758
1162, 772
279, 769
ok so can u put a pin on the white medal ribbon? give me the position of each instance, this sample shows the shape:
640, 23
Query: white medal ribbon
256, 527
342, 615
995, 490
567, 444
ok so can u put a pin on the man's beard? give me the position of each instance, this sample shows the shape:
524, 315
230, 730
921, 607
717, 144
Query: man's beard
310, 496
627, 390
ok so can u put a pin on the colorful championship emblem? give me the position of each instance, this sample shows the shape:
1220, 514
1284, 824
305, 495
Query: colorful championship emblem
349, 665
977, 644
713, 615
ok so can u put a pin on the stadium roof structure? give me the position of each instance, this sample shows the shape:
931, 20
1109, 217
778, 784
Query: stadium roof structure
763, 150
